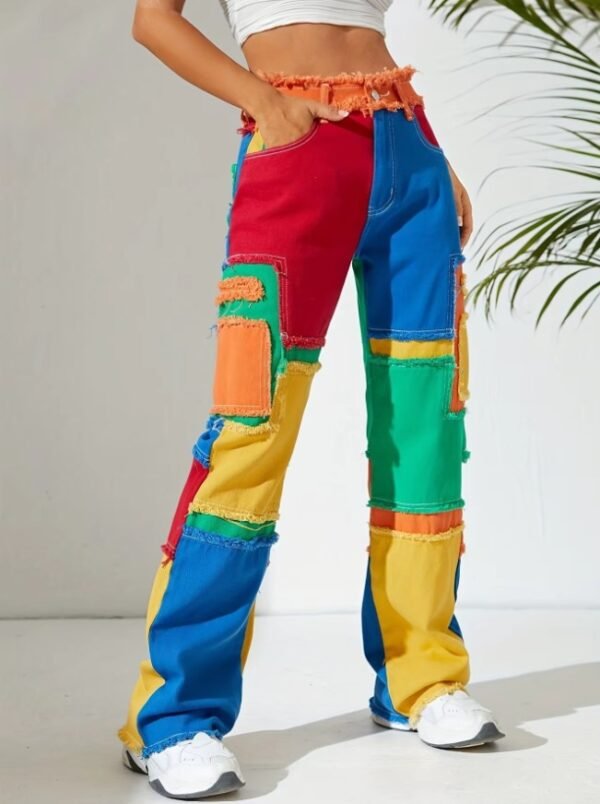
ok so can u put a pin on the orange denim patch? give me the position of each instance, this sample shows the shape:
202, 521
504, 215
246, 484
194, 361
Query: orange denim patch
425, 524
242, 383
240, 288
460, 385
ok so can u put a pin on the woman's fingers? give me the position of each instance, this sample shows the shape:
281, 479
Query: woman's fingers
464, 210
466, 219
327, 112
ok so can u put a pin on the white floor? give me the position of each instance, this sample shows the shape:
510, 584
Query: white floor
304, 733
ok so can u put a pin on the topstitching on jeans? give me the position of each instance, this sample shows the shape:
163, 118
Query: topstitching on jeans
388, 168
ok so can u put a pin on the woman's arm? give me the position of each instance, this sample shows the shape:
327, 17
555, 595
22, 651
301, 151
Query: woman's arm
160, 26
464, 209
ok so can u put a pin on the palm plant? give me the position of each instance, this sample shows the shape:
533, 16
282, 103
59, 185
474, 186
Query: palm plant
563, 239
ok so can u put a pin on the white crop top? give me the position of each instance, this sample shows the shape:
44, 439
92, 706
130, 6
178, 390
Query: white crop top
246, 17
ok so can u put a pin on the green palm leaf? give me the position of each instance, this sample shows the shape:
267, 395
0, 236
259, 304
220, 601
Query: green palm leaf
560, 243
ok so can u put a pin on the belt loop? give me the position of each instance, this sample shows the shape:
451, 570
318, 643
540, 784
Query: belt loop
325, 96
406, 94
368, 103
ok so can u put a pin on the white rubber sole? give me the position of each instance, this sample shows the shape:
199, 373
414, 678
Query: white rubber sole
488, 733
227, 782
390, 724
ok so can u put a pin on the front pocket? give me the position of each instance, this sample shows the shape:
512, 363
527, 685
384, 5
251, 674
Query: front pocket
242, 383
257, 146
424, 130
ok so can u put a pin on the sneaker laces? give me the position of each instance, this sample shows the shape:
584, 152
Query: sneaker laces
449, 706
202, 747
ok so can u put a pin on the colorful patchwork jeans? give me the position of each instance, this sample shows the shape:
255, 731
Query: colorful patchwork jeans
371, 192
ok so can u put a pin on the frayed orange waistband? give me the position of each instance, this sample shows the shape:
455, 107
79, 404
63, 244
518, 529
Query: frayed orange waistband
389, 88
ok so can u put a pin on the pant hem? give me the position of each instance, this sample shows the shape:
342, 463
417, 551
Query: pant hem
130, 741
169, 742
430, 695
393, 717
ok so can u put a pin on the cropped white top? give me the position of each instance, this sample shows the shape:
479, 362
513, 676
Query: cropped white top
246, 17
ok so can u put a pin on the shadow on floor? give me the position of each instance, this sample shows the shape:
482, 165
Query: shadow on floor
515, 700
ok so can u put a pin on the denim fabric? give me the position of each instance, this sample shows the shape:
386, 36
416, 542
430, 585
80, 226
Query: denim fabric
371, 192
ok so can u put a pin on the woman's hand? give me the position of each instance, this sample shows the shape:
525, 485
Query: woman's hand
464, 209
286, 118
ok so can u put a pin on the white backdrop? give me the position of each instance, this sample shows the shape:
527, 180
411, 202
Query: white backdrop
116, 179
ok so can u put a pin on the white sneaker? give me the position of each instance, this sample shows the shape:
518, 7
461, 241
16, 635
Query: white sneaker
453, 720
193, 769
134, 761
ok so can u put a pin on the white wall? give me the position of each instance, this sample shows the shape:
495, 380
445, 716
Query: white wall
116, 180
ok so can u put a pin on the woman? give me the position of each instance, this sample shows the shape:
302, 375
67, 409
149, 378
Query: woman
337, 166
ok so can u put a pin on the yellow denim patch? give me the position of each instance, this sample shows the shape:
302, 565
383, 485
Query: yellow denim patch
412, 582
406, 350
148, 680
256, 142
248, 464
463, 358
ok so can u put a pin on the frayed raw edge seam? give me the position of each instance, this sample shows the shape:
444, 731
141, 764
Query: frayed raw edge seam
132, 743
427, 699
251, 429
423, 508
169, 742
357, 104
240, 288
228, 513
404, 73
417, 537
240, 410
300, 367
304, 342
424, 517
382, 81
411, 362
256, 543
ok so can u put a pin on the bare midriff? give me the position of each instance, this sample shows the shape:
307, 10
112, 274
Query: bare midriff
317, 49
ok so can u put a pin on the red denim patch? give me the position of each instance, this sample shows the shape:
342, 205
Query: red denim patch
303, 208
195, 479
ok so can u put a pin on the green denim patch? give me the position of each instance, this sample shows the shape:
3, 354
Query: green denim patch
228, 528
302, 355
414, 443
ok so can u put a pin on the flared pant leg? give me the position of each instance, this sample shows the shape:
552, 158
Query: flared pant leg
295, 219
411, 294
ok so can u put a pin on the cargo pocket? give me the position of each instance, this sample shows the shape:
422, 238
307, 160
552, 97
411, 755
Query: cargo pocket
242, 383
